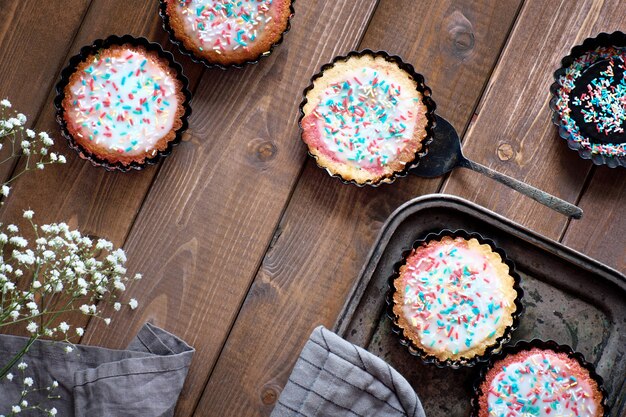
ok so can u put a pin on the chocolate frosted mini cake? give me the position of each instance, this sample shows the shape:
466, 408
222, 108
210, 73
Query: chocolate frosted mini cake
455, 299
539, 382
227, 32
366, 117
590, 99
123, 104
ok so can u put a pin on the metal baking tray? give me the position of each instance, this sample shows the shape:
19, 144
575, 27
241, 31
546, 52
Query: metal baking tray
568, 297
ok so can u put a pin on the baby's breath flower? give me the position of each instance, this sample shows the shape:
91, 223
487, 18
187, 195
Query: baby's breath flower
16, 409
52, 411
5, 190
30, 133
21, 117
28, 382
18, 241
22, 365
62, 159
104, 244
24, 403
58, 260
53, 157
9, 376
40, 165
5, 103
32, 327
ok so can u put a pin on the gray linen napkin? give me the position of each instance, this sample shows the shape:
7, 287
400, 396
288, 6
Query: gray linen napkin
333, 377
144, 380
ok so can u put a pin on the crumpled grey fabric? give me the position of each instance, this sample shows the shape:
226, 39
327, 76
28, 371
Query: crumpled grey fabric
143, 380
333, 377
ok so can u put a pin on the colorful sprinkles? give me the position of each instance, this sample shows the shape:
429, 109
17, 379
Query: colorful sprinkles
366, 119
453, 296
123, 102
541, 384
603, 103
225, 25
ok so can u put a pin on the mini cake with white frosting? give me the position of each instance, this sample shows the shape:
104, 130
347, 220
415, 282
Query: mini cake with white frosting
541, 383
228, 32
365, 119
454, 298
123, 104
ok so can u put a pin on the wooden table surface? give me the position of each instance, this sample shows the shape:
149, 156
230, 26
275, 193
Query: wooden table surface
246, 245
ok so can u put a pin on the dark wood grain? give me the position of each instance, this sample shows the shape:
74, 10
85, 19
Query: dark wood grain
99, 203
215, 203
328, 227
602, 234
513, 133
31, 53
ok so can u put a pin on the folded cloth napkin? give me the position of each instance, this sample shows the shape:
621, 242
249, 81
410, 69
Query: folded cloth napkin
144, 380
333, 377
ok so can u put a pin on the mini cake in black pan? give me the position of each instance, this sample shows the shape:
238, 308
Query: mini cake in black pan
123, 102
590, 99
367, 117
455, 299
541, 379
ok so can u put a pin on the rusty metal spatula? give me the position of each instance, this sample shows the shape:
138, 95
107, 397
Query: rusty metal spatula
444, 154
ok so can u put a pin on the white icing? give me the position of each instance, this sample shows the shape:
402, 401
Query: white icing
125, 103
542, 386
366, 120
225, 25
453, 298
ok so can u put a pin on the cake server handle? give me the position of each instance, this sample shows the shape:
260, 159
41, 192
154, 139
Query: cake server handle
548, 200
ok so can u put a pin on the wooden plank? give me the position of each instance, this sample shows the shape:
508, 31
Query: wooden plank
601, 234
99, 203
215, 203
32, 53
102, 204
328, 227
513, 133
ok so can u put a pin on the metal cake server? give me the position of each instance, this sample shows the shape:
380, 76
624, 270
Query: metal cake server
444, 154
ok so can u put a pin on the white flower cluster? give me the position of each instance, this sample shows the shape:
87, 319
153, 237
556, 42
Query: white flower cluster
23, 141
69, 271
27, 387
53, 272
